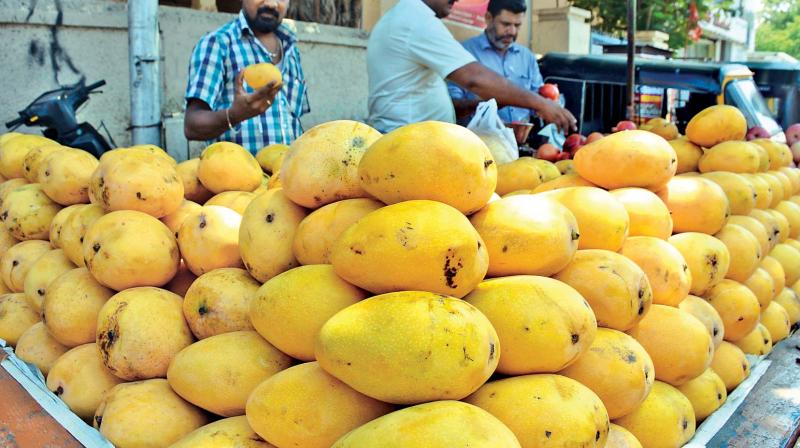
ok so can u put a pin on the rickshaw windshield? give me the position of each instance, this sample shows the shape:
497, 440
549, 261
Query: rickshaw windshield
744, 94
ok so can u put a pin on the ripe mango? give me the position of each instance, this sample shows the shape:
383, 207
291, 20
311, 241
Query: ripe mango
708, 259
731, 365
714, 125
430, 160
193, 190
776, 319
219, 302
527, 234
443, 348
666, 270
546, 409
305, 406
615, 287
65, 176
73, 232
544, 325
71, 306
209, 239
665, 418
744, 250
696, 205
16, 316
219, 372
37, 347
730, 156
27, 213
706, 393
648, 214
290, 309
755, 228
433, 247
18, 260
226, 166
627, 159
46, 269
440, 424
740, 191
737, 306
688, 155
707, 315
228, 432
758, 342
603, 221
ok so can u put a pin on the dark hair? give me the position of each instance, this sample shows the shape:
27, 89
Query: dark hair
515, 6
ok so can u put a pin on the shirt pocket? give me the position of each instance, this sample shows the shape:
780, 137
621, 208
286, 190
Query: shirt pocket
294, 90
521, 80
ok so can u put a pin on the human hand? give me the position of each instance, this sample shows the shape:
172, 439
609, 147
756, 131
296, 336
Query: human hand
247, 105
551, 112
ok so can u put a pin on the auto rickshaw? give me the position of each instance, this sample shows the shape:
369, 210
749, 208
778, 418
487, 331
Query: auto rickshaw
594, 90
779, 84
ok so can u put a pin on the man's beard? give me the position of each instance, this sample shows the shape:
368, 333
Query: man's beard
266, 20
497, 41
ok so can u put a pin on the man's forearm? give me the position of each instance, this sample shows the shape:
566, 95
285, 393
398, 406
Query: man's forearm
485, 83
206, 124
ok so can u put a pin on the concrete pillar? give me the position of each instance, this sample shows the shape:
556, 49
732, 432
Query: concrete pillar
564, 29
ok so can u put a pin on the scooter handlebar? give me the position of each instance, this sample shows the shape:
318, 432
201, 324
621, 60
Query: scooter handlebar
96, 85
15, 123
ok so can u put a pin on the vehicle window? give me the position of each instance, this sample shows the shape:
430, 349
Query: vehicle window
744, 94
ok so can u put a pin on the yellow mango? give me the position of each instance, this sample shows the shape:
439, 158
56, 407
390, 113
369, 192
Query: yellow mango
758, 342
543, 324
433, 247
661, 127
234, 200
128, 248
730, 364
740, 191
755, 228
677, 342
665, 418
209, 239
290, 309
775, 186
18, 260
546, 409
146, 413
37, 347
666, 270
242, 358
627, 159
440, 340
737, 306
781, 221
139, 332
776, 319
57, 224
603, 221
267, 232
71, 306
440, 424
521, 174
228, 432
305, 406
617, 368
708, 259
707, 315
786, 183
779, 153
762, 286
79, 378
34, 159
318, 231
790, 300
744, 249
648, 214
714, 125
16, 316
193, 190
696, 205
73, 232
226, 166
175, 220
763, 191
65, 176
46, 269
27, 213
730, 156
322, 166
792, 213
794, 177
566, 166
271, 157
775, 270
619, 437
565, 181
430, 160
615, 287
13, 151
219, 302
688, 155
527, 234
706, 393
789, 258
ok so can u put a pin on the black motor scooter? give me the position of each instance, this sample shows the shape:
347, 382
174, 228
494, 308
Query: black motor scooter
56, 112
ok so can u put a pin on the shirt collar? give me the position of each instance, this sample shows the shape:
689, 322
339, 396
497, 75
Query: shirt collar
283, 32
486, 45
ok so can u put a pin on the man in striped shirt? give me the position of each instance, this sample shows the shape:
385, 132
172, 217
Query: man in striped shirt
218, 105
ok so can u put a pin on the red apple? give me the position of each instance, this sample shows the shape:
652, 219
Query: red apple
549, 91
574, 140
793, 134
624, 125
548, 152
593, 137
757, 132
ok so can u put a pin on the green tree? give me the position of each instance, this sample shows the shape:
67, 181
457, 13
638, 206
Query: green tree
780, 30
669, 16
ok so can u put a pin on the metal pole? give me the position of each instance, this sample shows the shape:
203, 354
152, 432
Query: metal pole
143, 45
631, 81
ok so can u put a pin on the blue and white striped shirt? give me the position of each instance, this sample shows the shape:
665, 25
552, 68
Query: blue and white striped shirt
221, 55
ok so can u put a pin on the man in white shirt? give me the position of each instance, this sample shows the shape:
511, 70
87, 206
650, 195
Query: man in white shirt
410, 54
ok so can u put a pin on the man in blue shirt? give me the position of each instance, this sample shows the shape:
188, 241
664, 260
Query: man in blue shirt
496, 49
217, 105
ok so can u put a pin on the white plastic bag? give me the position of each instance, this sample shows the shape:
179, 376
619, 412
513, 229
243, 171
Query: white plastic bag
490, 128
